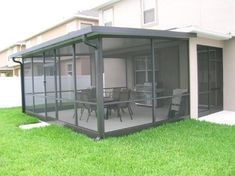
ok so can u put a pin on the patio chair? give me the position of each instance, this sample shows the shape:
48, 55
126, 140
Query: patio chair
114, 96
123, 97
87, 95
116, 93
178, 103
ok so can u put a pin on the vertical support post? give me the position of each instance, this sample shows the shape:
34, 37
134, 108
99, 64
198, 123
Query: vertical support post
32, 63
126, 72
55, 77
154, 81
75, 84
208, 78
22, 82
99, 88
193, 68
59, 74
44, 83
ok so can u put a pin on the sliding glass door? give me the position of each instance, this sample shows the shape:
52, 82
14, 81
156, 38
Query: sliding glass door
210, 80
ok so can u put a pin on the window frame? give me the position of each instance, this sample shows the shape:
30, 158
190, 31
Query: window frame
143, 10
145, 70
86, 22
112, 21
69, 72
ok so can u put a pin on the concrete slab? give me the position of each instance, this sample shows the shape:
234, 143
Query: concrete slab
222, 117
34, 125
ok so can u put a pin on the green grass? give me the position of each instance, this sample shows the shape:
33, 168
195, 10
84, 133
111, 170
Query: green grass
184, 148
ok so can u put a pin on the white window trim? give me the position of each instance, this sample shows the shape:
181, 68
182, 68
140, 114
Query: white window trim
110, 8
69, 71
142, 15
86, 22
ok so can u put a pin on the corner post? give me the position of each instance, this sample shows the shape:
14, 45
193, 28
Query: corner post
154, 81
75, 85
99, 88
193, 68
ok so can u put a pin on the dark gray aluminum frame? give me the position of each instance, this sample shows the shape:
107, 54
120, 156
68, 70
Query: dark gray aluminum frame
75, 84
84, 35
209, 111
32, 69
55, 82
44, 83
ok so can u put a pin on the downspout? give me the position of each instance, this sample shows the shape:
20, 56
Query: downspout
84, 40
22, 83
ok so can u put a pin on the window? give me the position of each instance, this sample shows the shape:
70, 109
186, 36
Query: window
149, 11
84, 25
108, 17
70, 69
143, 70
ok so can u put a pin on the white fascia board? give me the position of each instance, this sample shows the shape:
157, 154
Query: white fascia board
204, 33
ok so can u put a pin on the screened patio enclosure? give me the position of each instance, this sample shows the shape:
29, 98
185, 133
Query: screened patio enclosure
106, 81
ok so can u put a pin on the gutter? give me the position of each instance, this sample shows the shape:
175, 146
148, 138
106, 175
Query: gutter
22, 83
204, 33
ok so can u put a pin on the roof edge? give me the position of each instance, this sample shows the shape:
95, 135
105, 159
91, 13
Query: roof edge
204, 33
92, 31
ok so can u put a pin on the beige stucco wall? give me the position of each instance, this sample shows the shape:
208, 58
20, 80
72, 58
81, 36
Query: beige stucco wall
114, 72
193, 70
48, 35
5, 62
229, 72
58, 31
216, 15
126, 13
3, 58
82, 65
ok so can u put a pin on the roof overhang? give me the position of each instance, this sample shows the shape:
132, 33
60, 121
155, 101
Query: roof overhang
204, 33
92, 31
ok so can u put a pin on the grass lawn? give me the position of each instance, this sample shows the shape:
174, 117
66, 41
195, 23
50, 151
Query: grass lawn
185, 148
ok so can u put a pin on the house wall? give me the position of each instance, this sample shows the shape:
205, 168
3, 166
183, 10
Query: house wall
48, 35
114, 72
229, 72
216, 15
5, 62
82, 65
125, 14
57, 31
193, 42
3, 58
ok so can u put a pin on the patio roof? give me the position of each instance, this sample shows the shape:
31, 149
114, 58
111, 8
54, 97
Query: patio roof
92, 31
